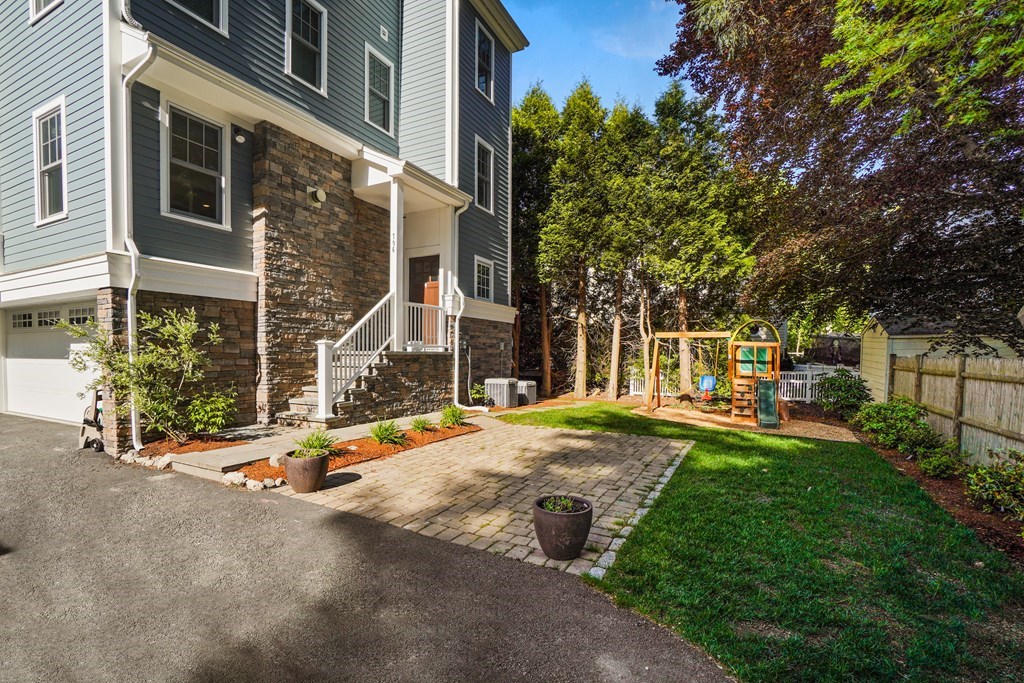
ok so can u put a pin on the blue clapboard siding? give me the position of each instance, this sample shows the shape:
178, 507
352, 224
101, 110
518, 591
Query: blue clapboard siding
423, 85
254, 53
481, 233
62, 54
159, 235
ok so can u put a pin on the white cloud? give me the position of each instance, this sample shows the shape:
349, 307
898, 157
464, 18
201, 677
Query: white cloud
642, 33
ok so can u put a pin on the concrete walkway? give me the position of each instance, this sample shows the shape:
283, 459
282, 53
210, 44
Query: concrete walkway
478, 489
113, 573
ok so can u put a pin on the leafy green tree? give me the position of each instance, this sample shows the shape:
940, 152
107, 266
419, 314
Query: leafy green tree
164, 376
535, 134
572, 236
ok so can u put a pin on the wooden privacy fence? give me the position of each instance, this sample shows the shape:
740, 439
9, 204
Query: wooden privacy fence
978, 401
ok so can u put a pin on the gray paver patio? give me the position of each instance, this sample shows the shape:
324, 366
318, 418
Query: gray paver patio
478, 490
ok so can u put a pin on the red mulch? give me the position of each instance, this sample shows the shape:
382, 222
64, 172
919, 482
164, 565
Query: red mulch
366, 449
156, 449
996, 530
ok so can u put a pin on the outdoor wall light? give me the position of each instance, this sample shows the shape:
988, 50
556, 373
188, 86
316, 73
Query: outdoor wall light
239, 135
318, 196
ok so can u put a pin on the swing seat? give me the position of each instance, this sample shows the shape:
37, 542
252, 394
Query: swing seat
707, 385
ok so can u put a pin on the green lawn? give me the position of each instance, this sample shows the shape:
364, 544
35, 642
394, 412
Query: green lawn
799, 560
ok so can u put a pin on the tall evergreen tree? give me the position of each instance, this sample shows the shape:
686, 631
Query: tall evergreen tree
535, 133
572, 236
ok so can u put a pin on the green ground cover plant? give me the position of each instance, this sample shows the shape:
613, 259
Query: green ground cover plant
387, 432
797, 560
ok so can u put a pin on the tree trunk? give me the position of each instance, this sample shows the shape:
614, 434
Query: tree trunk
613, 372
517, 328
685, 372
645, 336
580, 390
545, 344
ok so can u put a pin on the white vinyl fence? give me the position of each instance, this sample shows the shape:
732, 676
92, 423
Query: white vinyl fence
798, 386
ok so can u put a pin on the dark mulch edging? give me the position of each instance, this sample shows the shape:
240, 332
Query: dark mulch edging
995, 530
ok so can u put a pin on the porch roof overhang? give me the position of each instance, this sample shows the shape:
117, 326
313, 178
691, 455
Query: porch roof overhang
373, 173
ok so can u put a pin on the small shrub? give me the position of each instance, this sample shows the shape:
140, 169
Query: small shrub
558, 504
943, 462
478, 394
452, 416
919, 440
842, 393
888, 422
313, 445
387, 433
211, 411
998, 487
421, 424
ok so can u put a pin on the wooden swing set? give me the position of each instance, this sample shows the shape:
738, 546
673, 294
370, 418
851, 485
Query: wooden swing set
748, 362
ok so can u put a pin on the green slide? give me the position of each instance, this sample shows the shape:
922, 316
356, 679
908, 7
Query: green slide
767, 405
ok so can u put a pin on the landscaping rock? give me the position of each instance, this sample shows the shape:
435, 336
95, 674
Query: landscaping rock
164, 462
234, 479
129, 456
598, 572
277, 460
279, 481
254, 485
606, 560
269, 483
145, 462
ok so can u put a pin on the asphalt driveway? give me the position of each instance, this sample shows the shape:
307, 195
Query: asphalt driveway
115, 573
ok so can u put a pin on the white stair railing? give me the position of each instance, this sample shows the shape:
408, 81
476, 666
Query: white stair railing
339, 364
426, 326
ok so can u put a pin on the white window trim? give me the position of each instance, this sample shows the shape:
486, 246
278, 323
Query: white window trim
34, 16
476, 172
476, 62
210, 117
61, 103
323, 46
222, 29
391, 91
477, 260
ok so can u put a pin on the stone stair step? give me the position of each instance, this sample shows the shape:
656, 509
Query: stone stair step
297, 419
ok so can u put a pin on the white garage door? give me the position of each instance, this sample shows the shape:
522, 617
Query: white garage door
39, 379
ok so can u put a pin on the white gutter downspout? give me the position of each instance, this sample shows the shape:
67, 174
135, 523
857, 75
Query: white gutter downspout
129, 233
458, 317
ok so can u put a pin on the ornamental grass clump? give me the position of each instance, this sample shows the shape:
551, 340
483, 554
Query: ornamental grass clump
387, 433
452, 416
313, 445
421, 425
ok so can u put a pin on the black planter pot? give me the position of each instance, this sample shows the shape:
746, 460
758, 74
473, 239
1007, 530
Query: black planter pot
562, 535
306, 475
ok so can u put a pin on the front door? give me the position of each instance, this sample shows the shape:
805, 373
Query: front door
422, 270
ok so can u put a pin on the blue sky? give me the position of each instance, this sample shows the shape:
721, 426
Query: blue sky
614, 43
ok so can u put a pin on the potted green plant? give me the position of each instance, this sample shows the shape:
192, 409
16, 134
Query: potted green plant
305, 468
562, 525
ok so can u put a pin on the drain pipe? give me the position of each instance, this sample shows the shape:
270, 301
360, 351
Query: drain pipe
127, 208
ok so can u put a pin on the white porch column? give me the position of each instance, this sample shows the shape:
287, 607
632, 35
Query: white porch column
398, 263
324, 385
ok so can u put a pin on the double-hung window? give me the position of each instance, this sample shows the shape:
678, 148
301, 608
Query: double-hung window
484, 278
211, 12
196, 176
379, 82
484, 176
306, 43
51, 162
37, 9
484, 62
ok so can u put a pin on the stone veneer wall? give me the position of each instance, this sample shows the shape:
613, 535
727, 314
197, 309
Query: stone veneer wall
232, 363
485, 337
320, 268
406, 383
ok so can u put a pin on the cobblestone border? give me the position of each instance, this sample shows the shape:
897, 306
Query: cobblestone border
607, 559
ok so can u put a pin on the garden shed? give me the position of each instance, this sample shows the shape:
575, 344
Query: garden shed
883, 338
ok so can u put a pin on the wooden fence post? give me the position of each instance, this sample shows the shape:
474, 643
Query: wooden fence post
958, 399
918, 376
892, 377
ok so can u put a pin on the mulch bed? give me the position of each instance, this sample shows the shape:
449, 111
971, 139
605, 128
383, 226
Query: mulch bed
365, 449
809, 412
996, 530
156, 449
